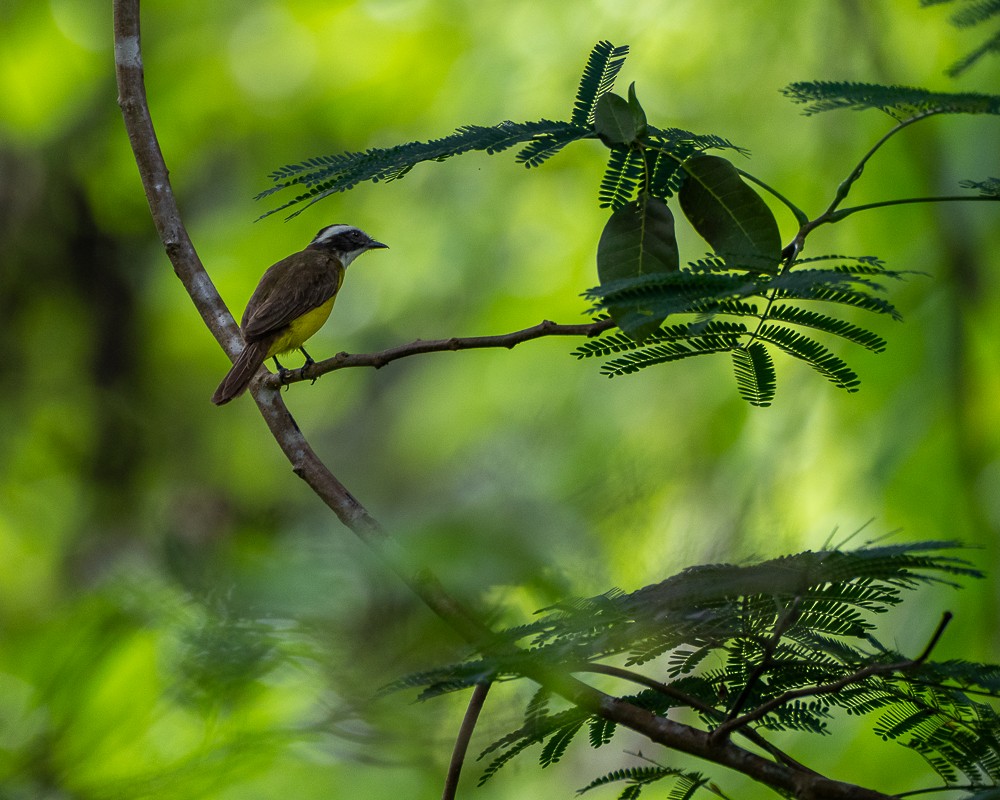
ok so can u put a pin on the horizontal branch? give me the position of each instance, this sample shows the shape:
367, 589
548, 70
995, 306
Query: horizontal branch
420, 346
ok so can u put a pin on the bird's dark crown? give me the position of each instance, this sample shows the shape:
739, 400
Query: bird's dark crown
343, 240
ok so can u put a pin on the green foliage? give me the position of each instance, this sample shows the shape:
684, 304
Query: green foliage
596, 113
971, 13
898, 101
782, 645
637, 241
713, 292
326, 175
603, 65
729, 215
685, 784
754, 372
641, 283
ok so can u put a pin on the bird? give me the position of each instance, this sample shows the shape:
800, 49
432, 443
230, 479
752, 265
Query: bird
291, 302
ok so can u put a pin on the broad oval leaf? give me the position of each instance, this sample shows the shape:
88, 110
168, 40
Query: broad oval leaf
614, 120
638, 113
730, 215
637, 240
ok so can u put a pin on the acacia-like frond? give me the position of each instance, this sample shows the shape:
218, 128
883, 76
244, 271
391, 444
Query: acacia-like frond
846, 297
667, 352
623, 174
821, 322
759, 632
675, 140
636, 776
900, 101
712, 292
620, 342
326, 175
990, 46
975, 13
545, 145
603, 65
755, 377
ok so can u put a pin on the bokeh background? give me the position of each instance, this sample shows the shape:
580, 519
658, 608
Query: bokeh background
180, 617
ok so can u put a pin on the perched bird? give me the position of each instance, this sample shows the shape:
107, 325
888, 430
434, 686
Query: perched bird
292, 301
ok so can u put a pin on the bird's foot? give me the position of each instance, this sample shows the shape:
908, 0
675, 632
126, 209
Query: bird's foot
283, 373
305, 367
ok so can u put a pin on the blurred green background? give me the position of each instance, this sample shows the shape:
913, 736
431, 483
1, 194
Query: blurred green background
180, 617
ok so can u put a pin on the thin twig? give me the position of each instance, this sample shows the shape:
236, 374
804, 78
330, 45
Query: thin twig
421, 346
782, 624
476, 703
833, 686
649, 683
830, 215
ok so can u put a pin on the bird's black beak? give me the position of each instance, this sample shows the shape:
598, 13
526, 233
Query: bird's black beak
378, 246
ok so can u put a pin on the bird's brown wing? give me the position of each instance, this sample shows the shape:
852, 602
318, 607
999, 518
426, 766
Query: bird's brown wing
288, 290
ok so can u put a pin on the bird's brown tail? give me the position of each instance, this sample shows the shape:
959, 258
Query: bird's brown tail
242, 372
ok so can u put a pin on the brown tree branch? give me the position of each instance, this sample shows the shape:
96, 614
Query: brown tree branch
476, 703
421, 346
307, 465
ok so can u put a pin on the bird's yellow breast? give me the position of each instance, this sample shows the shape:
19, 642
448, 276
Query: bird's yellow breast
299, 331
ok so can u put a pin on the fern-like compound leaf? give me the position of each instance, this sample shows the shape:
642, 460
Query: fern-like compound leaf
623, 174
755, 377
905, 101
822, 322
603, 65
975, 13
813, 353
326, 175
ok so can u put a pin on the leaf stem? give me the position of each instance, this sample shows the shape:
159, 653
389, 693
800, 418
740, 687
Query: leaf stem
800, 216
837, 216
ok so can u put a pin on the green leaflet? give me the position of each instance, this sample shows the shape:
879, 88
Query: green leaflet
614, 121
619, 121
730, 215
755, 377
637, 240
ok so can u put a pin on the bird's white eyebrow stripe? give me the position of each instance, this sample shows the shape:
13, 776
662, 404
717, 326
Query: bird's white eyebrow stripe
333, 230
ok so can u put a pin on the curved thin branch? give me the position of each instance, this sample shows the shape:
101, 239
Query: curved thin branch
421, 346
476, 703
188, 267
784, 698
831, 214
693, 702
840, 214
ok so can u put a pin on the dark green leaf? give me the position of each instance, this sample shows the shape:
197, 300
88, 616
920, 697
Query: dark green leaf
614, 120
730, 215
637, 240
638, 114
